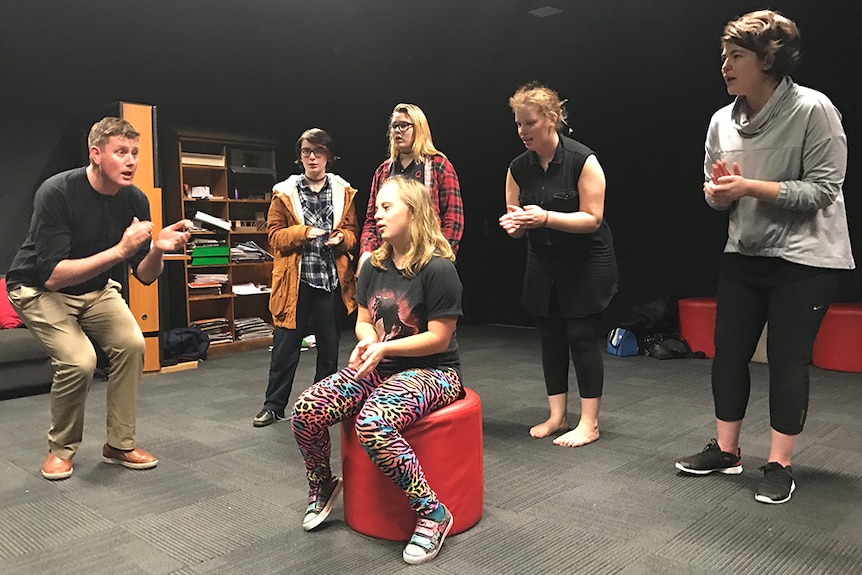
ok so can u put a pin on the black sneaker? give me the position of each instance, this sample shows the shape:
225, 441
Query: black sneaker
777, 484
266, 417
712, 458
320, 502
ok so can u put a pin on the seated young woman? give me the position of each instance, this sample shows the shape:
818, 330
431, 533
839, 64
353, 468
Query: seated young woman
405, 365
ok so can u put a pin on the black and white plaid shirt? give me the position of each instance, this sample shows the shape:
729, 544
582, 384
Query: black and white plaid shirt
318, 265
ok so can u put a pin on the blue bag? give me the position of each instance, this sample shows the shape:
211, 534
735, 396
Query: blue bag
622, 342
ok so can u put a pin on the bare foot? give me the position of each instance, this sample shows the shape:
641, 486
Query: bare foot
581, 435
549, 427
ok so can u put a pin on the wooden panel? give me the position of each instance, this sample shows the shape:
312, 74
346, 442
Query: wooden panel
144, 300
144, 303
152, 362
141, 117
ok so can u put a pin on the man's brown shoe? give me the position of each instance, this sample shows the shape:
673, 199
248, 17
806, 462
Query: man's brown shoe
134, 459
56, 467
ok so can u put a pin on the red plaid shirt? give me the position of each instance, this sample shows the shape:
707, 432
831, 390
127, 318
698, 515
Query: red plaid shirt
442, 183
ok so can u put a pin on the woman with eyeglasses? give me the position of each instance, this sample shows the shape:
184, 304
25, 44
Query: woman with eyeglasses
312, 227
555, 195
412, 154
775, 160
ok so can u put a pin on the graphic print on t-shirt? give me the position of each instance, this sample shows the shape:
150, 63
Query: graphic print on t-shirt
392, 317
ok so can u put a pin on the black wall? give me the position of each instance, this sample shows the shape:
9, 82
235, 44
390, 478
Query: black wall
642, 80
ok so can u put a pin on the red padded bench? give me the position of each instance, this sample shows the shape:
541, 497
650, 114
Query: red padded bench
838, 345
697, 323
448, 443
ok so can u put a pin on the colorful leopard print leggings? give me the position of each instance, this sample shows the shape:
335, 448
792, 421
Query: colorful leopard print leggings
385, 406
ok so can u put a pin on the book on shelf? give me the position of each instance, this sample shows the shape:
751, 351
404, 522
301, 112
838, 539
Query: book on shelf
212, 221
205, 160
210, 323
196, 292
205, 288
210, 251
210, 261
210, 278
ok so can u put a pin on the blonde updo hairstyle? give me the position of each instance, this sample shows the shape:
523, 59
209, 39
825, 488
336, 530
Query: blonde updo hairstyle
543, 99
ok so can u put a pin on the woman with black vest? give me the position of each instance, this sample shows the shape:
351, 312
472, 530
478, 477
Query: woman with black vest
555, 195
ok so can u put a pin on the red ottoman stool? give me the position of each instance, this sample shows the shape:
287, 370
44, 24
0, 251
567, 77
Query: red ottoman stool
697, 323
838, 345
448, 443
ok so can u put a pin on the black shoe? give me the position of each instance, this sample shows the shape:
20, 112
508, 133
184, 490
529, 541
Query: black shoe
777, 484
712, 458
266, 417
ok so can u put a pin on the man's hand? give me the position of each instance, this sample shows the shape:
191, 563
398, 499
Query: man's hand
135, 236
173, 237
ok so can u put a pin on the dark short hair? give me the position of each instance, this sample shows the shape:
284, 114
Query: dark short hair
320, 138
766, 32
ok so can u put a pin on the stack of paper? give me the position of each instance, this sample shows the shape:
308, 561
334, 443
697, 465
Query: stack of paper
216, 329
250, 289
249, 252
252, 328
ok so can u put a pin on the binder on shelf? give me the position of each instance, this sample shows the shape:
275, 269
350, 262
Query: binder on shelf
204, 160
210, 251
210, 260
212, 221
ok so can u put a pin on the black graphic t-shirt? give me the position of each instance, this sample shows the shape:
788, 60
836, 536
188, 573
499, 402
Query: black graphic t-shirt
71, 220
401, 307
414, 170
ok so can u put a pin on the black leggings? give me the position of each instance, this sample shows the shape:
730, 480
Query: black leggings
561, 335
793, 299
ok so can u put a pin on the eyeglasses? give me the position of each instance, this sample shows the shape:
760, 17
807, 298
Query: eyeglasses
400, 126
318, 152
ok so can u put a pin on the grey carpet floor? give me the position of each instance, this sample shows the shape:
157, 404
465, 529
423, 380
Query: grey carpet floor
228, 498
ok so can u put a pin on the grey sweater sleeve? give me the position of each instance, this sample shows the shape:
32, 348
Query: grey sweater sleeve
824, 162
711, 156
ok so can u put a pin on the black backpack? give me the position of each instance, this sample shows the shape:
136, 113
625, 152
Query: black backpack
660, 347
184, 344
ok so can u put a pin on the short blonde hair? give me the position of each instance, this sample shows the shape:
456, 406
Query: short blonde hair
426, 239
106, 128
545, 100
423, 145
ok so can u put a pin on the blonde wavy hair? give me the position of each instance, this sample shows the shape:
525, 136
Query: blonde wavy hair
426, 239
423, 145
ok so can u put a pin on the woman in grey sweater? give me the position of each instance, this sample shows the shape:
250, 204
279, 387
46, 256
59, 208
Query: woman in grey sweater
775, 158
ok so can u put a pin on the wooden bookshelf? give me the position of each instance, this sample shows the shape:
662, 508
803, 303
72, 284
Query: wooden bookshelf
238, 174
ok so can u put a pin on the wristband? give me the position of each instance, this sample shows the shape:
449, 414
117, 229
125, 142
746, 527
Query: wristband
545, 223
